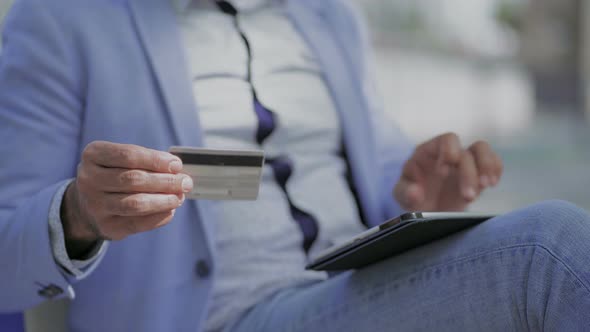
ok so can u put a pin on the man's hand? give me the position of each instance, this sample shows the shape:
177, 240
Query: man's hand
442, 176
120, 190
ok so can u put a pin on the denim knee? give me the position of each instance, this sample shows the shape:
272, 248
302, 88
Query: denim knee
558, 226
555, 236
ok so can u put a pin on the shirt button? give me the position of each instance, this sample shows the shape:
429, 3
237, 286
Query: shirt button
202, 269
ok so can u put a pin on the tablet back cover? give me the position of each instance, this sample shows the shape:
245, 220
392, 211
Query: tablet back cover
396, 240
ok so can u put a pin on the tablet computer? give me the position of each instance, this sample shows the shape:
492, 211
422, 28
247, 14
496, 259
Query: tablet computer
393, 237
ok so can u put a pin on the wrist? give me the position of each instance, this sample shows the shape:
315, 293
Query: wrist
80, 236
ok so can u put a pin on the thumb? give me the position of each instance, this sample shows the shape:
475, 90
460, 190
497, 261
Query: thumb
409, 194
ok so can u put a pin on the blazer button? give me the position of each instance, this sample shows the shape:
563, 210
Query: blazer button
202, 269
50, 291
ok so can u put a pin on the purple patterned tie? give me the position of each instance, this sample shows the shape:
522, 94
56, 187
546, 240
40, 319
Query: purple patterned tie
267, 123
283, 169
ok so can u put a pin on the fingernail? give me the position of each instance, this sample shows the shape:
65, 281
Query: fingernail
484, 180
175, 166
187, 184
181, 200
173, 212
469, 193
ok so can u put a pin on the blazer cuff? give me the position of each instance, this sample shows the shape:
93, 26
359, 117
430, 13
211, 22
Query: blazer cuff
72, 269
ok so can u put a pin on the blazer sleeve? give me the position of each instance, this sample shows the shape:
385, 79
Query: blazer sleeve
393, 147
41, 110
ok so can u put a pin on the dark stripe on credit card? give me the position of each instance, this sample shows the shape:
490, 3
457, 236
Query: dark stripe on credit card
217, 160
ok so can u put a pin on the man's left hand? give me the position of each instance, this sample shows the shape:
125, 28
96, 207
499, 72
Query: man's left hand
443, 176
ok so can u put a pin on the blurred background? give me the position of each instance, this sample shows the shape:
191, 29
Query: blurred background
513, 72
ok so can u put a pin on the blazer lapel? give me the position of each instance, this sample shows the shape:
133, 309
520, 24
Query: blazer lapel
159, 33
156, 23
346, 90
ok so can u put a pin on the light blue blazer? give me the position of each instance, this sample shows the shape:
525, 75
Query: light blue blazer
75, 71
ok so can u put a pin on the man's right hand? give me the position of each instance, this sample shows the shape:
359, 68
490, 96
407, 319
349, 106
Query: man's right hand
120, 190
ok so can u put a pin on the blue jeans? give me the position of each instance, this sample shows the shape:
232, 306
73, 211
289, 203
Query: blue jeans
525, 271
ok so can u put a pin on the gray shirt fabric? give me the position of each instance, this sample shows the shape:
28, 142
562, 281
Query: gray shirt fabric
259, 244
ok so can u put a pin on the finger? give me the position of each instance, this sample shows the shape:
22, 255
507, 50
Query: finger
485, 160
499, 169
468, 181
410, 195
119, 180
449, 152
120, 227
443, 152
412, 170
129, 156
141, 204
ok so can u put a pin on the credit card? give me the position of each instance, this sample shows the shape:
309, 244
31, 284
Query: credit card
222, 174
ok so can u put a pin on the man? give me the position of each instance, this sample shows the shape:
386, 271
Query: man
91, 208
